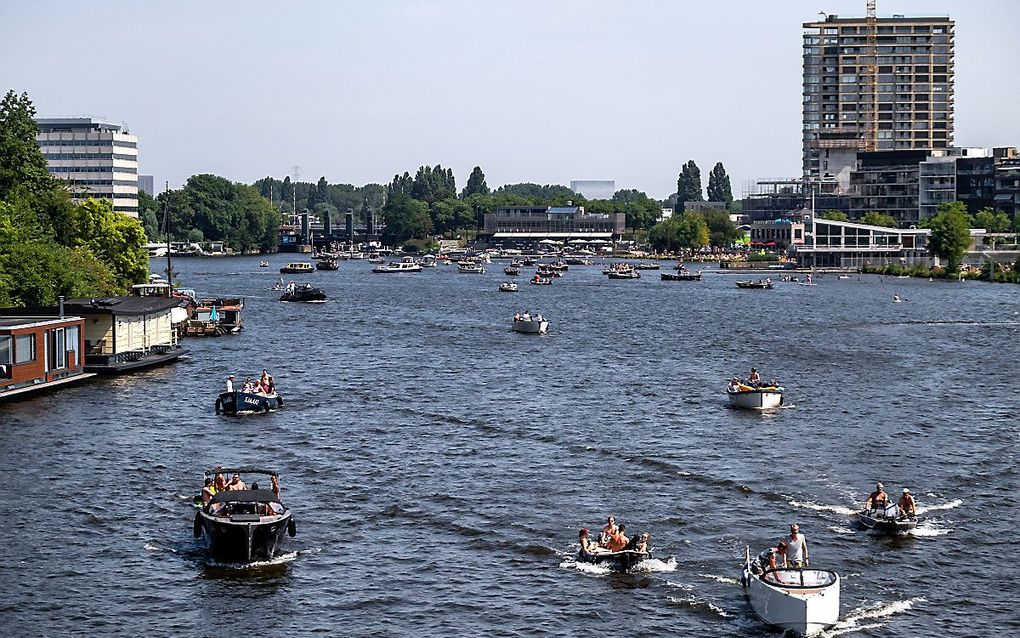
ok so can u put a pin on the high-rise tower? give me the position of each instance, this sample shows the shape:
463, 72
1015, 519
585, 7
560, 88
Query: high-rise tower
875, 84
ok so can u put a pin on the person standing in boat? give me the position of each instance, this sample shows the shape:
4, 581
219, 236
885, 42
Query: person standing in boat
220, 482
755, 378
275, 485
906, 506
608, 531
878, 499
230, 383
208, 491
796, 548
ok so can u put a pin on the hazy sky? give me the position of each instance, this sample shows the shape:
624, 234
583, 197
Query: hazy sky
539, 91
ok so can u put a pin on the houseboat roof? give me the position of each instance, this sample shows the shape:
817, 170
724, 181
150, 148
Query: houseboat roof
120, 306
12, 323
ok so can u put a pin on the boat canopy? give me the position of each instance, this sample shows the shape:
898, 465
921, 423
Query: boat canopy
245, 496
241, 470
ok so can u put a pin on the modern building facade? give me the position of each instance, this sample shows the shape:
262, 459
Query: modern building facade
875, 84
532, 223
887, 182
96, 158
147, 183
961, 175
832, 244
779, 234
1007, 187
594, 188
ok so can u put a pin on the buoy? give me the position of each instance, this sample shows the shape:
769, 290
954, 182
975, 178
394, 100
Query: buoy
291, 527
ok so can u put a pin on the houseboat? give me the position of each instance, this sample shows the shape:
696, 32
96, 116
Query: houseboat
298, 267
121, 333
40, 353
216, 317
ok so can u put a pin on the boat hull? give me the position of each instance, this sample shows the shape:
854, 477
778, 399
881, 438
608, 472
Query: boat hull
531, 327
667, 276
805, 611
233, 541
886, 524
238, 402
755, 399
306, 296
621, 561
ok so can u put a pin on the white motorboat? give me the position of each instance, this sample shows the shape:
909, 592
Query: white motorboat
527, 324
897, 299
802, 600
471, 269
843, 277
755, 398
407, 264
508, 286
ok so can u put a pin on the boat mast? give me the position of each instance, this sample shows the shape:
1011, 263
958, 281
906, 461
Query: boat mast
166, 225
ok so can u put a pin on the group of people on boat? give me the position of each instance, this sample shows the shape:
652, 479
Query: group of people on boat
220, 484
879, 500
266, 385
612, 538
792, 550
753, 382
527, 316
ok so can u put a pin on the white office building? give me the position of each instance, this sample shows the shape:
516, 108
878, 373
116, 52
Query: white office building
95, 157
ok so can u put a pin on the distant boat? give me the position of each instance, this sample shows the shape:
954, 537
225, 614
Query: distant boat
897, 299
886, 521
508, 286
511, 271
681, 275
298, 267
752, 285
530, 325
305, 293
263, 264
327, 264
407, 264
475, 269
755, 397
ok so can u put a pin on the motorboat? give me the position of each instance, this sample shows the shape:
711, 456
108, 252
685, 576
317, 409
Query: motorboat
428, 261
802, 600
241, 526
897, 299
621, 561
757, 397
843, 277
263, 264
298, 267
328, 264
624, 273
556, 265
511, 271
761, 284
406, 264
539, 280
579, 261
886, 520
508, 286
238, 402
681, 275
306, 293
646, 265
470, 269
545, 272
531, 325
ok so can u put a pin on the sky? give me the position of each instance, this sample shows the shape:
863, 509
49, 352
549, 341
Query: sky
541, 91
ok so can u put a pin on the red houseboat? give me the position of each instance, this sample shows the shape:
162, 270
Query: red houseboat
39, 353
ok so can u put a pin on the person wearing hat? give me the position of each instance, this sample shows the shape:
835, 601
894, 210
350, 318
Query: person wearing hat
878, 499
906, 506
230, 383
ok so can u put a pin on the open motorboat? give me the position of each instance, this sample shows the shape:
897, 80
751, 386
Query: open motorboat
263, 264
755, 397
241, 526
886, 520
761, 284
306, 293
298, 267
470, 268
508, 286
620, 561
511, 271
328, 264
539, 280
802, 600
681, 275
647, 265
624, 274
406, 264
238, 402
843, 277
531, 325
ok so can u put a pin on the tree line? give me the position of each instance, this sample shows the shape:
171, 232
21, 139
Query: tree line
49, 244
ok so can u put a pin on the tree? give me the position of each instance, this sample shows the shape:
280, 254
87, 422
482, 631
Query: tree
688, 185
950, 234
433, 183
834, 216
406, 218
21, 161
875, 218
719, 185
679, 232
475, 184
116, 239
722, 232
991, 220
149, 215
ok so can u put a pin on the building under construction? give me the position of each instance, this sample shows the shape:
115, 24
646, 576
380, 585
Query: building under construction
874, 84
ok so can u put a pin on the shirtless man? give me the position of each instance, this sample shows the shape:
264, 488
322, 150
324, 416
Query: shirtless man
877, 499
208, 490
619, 541
608, 532
755, 378
906, 506
236, 484
643, 542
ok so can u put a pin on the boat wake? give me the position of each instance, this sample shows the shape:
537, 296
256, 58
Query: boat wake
721, 579
842, 530
155, 547
837, 509
863, 618
282, 559
942, 506
689, 599
654, 565
927, 529
588, 568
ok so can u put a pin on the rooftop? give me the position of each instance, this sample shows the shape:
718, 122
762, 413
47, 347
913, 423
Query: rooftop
54, 124
11, 323
124, 306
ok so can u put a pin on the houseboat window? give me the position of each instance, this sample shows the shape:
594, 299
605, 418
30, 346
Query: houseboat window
73, 337
59, 350
5, 350
24, 349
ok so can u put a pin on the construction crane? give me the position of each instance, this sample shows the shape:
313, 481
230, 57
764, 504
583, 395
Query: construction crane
870, 141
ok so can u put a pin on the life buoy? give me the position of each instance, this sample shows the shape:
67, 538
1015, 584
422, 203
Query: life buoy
291, 527
198, 525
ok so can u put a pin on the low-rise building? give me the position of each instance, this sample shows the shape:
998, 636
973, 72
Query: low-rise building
529, 224
780, 234
834, 244
40, 352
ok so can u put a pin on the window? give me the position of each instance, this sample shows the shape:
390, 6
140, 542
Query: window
24, 349
59, 349
5, 350
73, 338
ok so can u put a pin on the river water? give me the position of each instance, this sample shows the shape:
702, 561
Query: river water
439, 466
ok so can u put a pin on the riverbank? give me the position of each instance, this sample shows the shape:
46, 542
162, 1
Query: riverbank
1002, 275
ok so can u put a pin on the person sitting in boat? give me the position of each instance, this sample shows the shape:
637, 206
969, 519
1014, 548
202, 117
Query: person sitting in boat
220, 482
642, 545
588, 546
208, 491
755, 378
271, 386
608, 531
796, 548
734, 385
517, 317
906, 507
230, 383
878, 499
249, 385
236, 484
619, 540
768, 558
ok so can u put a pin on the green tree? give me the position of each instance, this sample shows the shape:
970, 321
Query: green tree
116, 239
721, 229
719, 185
688, 185
475, 184
149, 214
994, 221
835, 216
875, 218
950, 234
679, 232
406, 218
21, 161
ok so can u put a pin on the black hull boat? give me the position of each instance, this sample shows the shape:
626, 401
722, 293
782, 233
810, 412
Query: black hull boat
243, 526
621, 561
681, 276
755, 285
327, 264
238, 402
304, 293
886, 523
